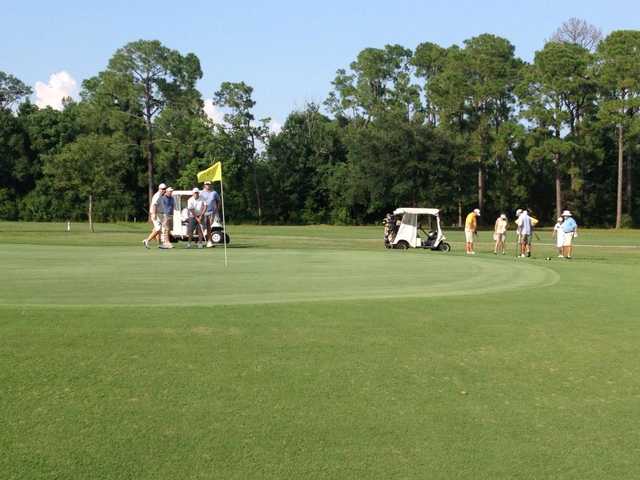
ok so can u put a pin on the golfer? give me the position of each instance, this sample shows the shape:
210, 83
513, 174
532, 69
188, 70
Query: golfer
471, 230
500, 234
570, 230
558, 234
166, 217
154, 209
525, 229
196, 208
212, 200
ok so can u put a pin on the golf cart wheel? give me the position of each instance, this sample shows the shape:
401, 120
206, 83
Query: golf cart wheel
444, 247
227, 239
402, 245
216, 237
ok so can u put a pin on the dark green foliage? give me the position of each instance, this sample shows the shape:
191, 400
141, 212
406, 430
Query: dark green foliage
449, 127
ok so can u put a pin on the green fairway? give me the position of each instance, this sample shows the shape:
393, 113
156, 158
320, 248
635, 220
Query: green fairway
315, 354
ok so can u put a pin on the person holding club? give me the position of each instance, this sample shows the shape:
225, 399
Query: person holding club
500, 234
196, 207
558, 234
471, 230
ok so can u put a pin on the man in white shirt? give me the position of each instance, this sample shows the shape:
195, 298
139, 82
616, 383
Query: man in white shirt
154, 210
525, 230
196, 207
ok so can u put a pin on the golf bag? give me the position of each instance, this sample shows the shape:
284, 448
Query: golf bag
390, 223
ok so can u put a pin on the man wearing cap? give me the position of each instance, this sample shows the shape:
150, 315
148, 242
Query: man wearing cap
570, 230
212, 200
154, 210
500, 234
525, 230
471, 230
167, 205
196, 208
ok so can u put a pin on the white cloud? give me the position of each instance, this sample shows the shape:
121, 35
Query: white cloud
59, 86
275, 126
213, 112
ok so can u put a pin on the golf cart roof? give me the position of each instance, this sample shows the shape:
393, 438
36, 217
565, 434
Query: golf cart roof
417, 211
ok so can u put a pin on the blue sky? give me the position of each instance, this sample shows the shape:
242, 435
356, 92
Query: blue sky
287, 50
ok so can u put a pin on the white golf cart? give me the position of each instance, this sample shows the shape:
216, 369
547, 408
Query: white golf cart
402, 230
181, 217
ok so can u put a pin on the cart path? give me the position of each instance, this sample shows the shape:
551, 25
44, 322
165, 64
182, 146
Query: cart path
127, 276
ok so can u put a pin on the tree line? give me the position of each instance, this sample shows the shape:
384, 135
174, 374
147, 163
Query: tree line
453, 127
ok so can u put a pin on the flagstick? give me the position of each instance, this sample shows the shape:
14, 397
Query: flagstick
224, 226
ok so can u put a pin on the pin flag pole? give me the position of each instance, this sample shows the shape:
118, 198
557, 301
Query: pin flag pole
224, 226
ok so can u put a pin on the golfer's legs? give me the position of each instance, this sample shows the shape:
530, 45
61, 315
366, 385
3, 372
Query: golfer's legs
190, 226
208, 221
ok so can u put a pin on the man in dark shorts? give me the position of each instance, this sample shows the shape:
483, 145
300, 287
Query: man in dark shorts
212, 200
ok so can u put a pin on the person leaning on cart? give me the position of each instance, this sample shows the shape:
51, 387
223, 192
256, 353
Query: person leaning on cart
197, 208
471, 230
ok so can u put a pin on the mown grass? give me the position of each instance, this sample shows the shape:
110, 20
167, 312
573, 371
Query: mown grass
307, 359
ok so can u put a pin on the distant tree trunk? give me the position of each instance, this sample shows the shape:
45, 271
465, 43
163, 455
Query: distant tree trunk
620, 169
150, 162
255, 178
459, 213
480, 187
629, 185
258, 198
556, 161
91, 213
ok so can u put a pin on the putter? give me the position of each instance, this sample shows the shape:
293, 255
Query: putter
202, 230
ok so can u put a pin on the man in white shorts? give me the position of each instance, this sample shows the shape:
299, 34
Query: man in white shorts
154, 215
570, 229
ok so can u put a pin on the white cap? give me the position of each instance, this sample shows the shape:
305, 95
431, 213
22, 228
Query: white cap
518, 211
162, 186
170, 189
566, 213
503, 216
476, 211
195, 190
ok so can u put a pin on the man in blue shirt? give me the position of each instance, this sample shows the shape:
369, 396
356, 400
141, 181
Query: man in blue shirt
212, 200
570, 230
167, 205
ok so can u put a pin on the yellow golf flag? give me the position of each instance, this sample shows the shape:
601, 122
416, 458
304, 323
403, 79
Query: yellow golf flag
212, 174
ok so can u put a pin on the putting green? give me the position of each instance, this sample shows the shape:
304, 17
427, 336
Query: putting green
42, 275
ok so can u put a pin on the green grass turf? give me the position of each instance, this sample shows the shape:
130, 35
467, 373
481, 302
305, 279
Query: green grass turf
315, 354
